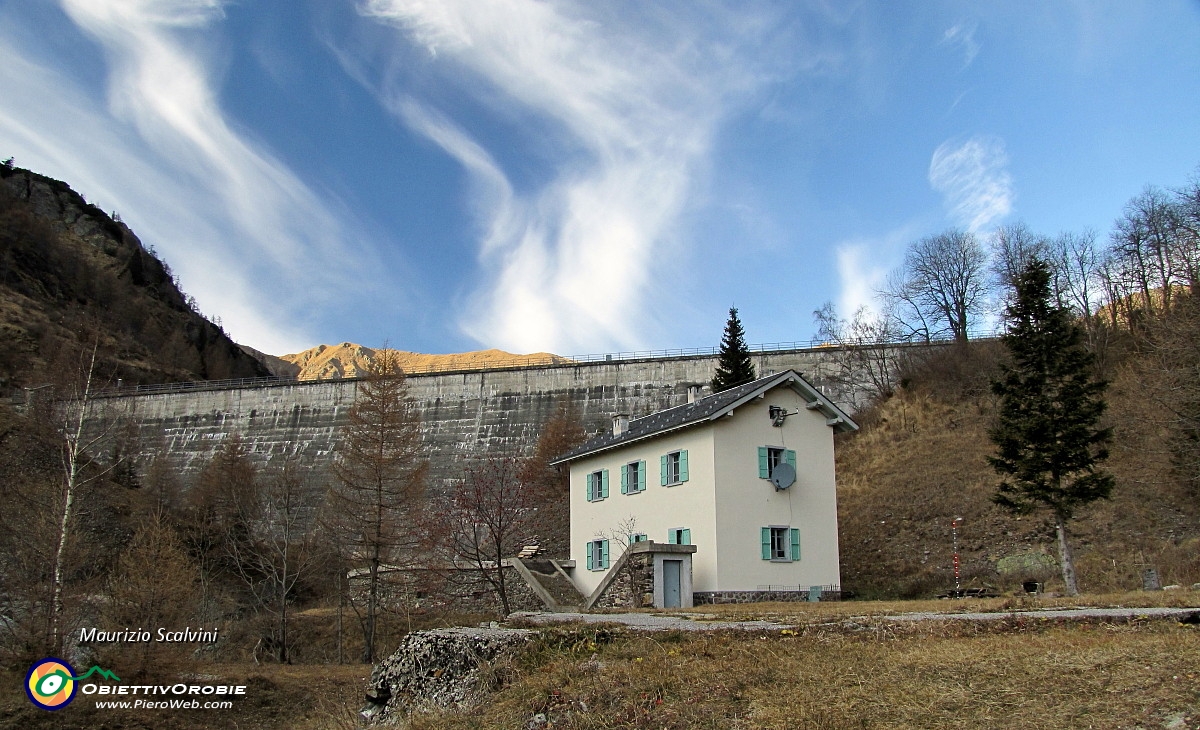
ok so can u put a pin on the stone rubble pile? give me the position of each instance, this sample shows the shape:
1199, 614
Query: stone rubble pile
439, 668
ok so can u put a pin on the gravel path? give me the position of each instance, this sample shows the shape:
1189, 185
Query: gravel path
649, 621
1075, 613
706, 622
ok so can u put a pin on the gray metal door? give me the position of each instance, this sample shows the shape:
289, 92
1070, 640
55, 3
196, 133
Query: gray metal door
671, 583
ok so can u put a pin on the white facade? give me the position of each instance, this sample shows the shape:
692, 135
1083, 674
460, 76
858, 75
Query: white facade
748, 534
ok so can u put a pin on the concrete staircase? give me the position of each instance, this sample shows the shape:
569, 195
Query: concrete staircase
549, 583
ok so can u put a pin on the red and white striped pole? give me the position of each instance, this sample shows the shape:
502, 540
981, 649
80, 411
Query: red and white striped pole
954, 537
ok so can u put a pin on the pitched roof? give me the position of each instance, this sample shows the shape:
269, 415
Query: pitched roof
710, 408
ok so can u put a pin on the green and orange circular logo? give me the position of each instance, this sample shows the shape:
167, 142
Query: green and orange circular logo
50, 684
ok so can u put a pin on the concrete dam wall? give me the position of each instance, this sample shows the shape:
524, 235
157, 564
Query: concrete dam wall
465, 414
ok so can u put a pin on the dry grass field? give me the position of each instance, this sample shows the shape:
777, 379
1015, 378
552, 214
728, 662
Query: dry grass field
843, 666
920, 461
1014, 674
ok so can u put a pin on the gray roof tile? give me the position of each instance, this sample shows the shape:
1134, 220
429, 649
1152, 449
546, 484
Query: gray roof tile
687, 415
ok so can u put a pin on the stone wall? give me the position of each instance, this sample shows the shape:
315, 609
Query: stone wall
465, 414
634, 585
705, 598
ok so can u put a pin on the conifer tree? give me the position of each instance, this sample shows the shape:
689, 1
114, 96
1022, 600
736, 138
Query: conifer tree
734, 367
380, 472
1046, 434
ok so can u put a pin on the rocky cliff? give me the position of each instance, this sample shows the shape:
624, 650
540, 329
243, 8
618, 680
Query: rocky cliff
348, 360
72, 276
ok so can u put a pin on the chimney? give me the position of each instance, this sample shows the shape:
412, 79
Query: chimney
620, 424
694, 392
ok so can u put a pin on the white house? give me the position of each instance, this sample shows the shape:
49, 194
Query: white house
745, 475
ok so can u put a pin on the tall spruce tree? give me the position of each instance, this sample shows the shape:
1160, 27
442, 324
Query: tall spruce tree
1047, 439
733, 366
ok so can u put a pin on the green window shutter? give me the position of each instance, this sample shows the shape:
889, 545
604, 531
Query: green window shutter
632, 539
685, 537
790, 456
795, 535
641, 475
766, 543
589, 488
662, 470
683, 469
624, 480
604, 554
591, 564
671, 537
604, 483
764, 471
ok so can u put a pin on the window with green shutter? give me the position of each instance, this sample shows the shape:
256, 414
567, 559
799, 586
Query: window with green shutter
780, 544
597, 555
597, 485
771, 456
633, 477
673, 468
679, 536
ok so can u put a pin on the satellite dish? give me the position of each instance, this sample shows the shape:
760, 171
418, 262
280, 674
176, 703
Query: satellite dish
783, 475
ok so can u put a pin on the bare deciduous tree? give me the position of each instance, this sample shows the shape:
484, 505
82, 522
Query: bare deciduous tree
1144, 244
941, 289
484, 520
867, 360
1013, 248
271, 546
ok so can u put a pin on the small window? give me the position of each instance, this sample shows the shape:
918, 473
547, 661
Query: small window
597, 485
679, 536
673, 468
770, 457
597, 555
638, 537
781, 544
633, 477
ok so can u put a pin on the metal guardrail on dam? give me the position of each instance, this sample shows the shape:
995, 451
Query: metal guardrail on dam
455, 366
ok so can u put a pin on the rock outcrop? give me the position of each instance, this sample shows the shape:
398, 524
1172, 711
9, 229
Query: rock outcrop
348, 360
440, 668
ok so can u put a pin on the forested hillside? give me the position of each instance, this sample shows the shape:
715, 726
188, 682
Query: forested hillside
72, 277
920, 460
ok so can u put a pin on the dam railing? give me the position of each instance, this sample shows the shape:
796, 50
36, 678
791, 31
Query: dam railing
451, 365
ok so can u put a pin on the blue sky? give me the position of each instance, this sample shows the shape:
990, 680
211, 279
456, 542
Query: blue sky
584, 177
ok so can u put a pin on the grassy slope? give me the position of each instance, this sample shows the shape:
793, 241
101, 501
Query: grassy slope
921, 462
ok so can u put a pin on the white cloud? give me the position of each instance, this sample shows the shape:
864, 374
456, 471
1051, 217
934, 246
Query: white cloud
636, 101
863, 265
248, 239
972, 178
962, 35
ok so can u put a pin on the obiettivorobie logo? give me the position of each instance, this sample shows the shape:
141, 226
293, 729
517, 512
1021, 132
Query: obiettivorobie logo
50, 683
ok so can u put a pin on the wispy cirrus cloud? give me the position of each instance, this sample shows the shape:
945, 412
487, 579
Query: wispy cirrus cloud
248, 238
973, 179
962, 36
636, 99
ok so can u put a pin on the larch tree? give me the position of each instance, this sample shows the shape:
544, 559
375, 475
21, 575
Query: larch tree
734, 366
1047, 437
380, 474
